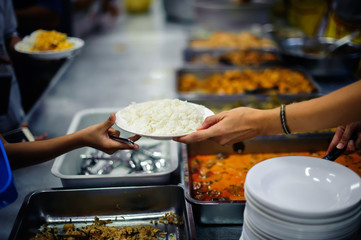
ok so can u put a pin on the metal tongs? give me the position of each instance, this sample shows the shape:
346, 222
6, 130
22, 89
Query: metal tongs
122, 140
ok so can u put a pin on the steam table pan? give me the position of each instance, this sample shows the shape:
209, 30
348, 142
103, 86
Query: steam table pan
203, 72
228, 211
124, 206
67, 167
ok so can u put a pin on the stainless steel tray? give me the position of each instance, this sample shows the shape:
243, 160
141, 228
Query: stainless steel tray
192, 56
124, 206
68, 166
231, 212
259, 30
203, 72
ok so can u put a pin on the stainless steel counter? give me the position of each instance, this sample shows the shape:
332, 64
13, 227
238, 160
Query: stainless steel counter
134, 61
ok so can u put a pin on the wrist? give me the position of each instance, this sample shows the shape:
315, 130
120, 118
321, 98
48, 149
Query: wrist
270, 122
78, 139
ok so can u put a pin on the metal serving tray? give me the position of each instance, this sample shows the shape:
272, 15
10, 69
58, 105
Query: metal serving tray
231, 212
259, 30
127, 206
68, 166
203, 72
190, 54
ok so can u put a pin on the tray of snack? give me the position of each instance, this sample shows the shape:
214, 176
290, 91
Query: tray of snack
156, 212
193, 82
214, 175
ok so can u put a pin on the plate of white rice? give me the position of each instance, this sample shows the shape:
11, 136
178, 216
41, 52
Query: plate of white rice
162, 119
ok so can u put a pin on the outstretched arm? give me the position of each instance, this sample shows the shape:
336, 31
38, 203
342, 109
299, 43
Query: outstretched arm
96, 136
337, 108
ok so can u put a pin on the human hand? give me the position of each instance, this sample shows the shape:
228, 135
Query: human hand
347, 136
97, 136
227, 127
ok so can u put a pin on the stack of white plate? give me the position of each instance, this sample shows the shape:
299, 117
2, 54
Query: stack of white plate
299, 197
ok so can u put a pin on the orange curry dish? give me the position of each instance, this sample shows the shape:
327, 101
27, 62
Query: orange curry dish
221, 178
270, 81
242, 40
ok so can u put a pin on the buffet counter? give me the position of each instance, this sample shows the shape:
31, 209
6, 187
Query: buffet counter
134, 62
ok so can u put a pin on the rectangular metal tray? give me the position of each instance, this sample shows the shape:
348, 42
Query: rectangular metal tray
67, 167
124, 206
203, 72
201, 33
189, 54
231, 212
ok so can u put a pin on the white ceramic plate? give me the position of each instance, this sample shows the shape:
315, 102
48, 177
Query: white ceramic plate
23, 47
122, 124
304, 186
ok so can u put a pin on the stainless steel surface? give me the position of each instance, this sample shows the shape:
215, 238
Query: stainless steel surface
199, 57
123, 206
342, 41
203, 72
134, 61
68, 167
342, 63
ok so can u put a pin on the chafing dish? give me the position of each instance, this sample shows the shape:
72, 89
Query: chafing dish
231, 212
203, 72
215, 57
127, 206
87, 167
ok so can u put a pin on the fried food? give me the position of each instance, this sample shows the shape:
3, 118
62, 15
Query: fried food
51, 41
99, 231
243, 40
270, 81
236, 58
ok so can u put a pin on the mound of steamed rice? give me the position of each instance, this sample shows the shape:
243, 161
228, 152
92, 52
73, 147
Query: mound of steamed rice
168, 117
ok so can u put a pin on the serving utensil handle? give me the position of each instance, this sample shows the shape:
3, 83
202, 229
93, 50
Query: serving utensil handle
335, 153
122, 140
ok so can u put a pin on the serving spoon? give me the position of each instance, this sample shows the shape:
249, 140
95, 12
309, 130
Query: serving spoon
342, 41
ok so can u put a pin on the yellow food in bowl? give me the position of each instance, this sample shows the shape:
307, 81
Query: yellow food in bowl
51, 41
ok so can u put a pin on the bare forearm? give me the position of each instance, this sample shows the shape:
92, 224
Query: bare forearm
29, 153
337, 108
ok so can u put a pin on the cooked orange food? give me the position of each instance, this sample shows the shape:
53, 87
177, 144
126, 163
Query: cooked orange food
236, 58
242, 40
270, 80
220, 177
247, 57
51, 41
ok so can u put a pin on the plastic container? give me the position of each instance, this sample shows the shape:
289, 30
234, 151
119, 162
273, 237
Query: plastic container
8, 193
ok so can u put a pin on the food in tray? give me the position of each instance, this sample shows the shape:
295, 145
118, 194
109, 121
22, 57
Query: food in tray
221, 177
236, 58
242, 40
43, 40
162, 118
266, 81
99, 230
